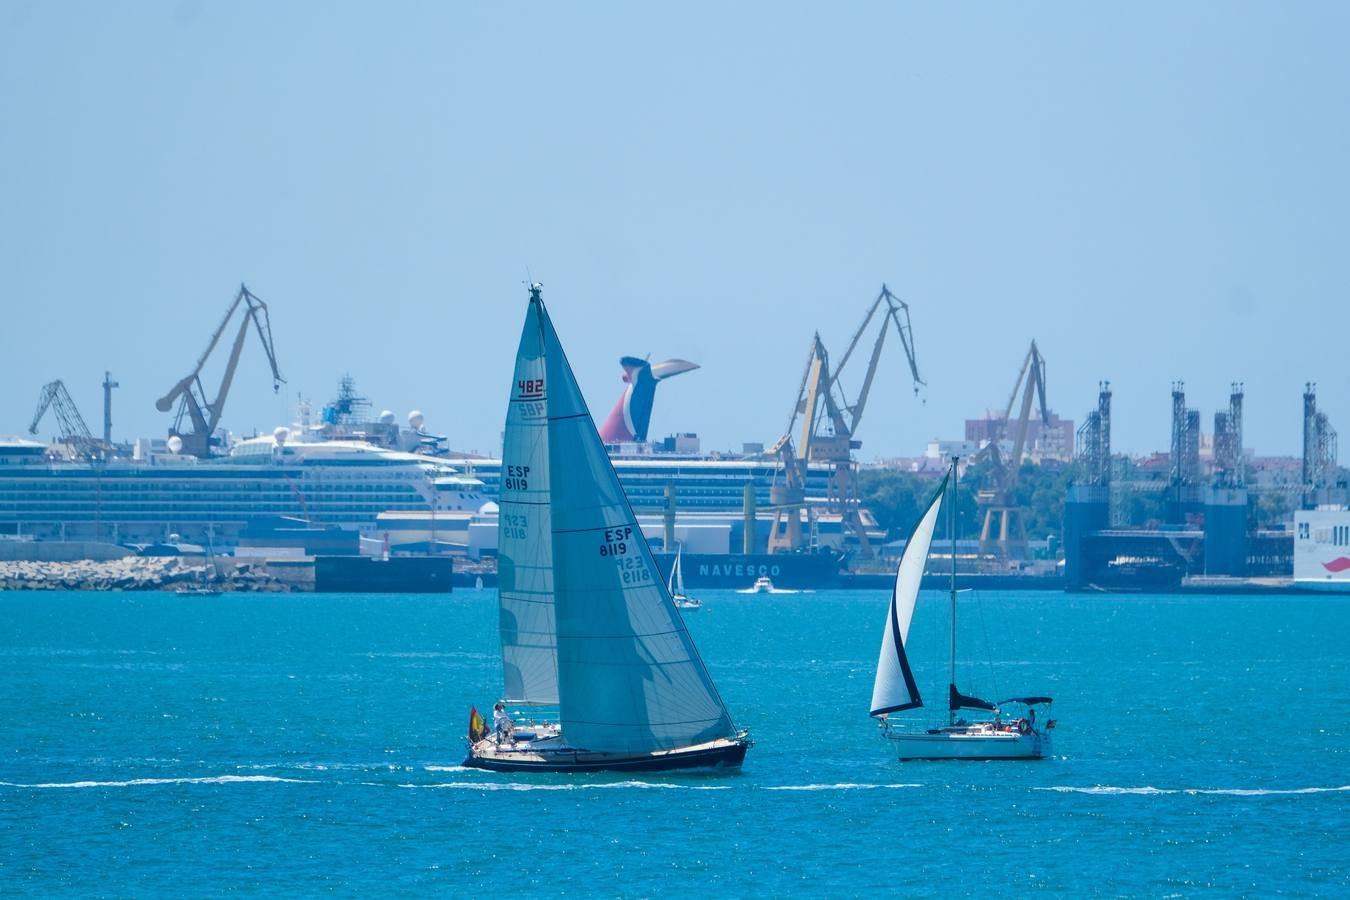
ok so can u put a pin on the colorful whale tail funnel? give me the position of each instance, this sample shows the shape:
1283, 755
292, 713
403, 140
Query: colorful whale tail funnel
629, 418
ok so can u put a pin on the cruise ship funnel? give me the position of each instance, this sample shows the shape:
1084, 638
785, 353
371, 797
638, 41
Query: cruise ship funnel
629, 418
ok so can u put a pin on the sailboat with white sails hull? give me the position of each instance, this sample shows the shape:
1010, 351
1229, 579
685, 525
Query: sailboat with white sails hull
675, 584
895, 689
587, 625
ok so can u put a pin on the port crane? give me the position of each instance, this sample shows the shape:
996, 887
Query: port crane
74, 432
829, 421
189, 393
997, 502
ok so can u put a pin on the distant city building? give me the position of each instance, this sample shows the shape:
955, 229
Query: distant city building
1052, 440
924, 465
938, 449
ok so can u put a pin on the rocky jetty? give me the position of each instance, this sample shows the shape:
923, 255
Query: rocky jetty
132, 573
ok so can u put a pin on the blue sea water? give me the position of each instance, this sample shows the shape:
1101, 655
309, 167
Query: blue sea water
300, 744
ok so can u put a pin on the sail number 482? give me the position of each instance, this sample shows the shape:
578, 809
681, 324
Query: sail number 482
617, 541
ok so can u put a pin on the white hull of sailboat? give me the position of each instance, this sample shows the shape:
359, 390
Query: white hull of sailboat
969, 745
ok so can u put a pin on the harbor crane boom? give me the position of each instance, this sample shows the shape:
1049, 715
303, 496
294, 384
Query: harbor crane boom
896, 311
74, 433
830, 421
999, 502
189, 393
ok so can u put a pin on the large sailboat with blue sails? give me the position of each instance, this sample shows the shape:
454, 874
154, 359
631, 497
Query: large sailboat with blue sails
588, 626
975, 728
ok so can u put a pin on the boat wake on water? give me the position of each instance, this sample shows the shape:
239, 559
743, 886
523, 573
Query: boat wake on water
1218, 792
155, 782
839, 787
570, 786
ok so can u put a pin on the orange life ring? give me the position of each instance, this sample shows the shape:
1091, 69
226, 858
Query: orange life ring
1023, 726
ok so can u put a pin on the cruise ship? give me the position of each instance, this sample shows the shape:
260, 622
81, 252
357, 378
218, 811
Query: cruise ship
1322, 549
158, 497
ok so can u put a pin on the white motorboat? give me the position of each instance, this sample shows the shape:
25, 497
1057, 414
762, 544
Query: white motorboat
764, 585
995, 735
587, 626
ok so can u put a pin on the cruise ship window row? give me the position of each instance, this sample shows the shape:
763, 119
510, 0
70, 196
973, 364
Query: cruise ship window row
207, 497
366, 510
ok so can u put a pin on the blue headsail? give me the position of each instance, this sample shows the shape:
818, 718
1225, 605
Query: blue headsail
630, 679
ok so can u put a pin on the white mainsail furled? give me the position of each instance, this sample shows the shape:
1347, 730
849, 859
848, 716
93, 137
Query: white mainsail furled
629, 676
525, 535
895, 688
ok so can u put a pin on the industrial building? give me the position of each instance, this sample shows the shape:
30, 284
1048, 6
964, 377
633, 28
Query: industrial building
1207, 529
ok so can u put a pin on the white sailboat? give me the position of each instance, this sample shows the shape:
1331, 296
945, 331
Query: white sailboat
990, 737
587, 626
676, 584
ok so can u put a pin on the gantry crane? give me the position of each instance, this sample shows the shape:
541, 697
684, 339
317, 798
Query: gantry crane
997, 502
191, 396
74, 433
829, 422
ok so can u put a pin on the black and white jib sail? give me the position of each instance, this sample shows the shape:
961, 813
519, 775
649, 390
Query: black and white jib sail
894, 689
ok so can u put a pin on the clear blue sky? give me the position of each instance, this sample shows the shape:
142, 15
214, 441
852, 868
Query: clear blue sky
1153, 192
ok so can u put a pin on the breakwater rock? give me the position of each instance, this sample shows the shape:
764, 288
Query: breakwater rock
134, 573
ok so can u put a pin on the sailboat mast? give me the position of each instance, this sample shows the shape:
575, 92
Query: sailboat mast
951, 535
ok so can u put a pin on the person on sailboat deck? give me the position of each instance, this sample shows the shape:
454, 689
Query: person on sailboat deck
501, 722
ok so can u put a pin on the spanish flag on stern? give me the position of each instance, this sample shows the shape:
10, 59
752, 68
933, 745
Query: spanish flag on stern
477, 727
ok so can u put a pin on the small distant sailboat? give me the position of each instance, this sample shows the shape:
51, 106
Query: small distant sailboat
587, 625
676, 584
895, 690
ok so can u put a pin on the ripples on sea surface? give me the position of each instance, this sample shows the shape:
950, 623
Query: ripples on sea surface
165, 745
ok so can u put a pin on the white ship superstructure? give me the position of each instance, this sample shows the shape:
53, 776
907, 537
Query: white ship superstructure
1322, 549
344, 483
